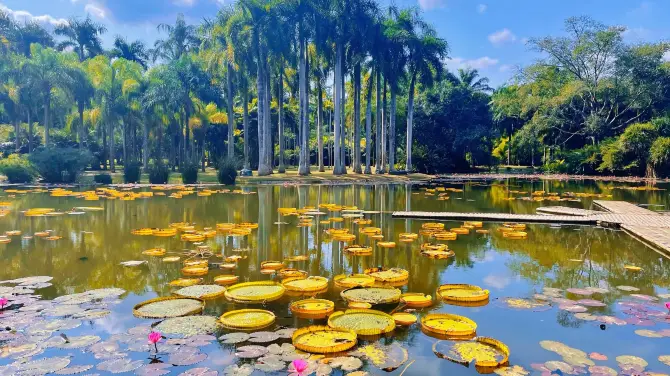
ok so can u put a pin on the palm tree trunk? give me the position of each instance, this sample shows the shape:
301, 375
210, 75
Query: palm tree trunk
343, 123
269, 149
124, 140
410, 123
378, 126
337, 164
104, 146
47, 109
264, 167
245, 122
30, 131
368, 126
111, 146
357, 119
303, 163
384, 133
392, 130
319, 124
280, 115
82, 136
231, 114
145, 145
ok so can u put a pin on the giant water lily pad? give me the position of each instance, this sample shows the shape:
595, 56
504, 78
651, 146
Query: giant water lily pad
251, 351
247, 319
372, 295
73, 370
168, 307
530, 304
255, 292
448, 325
186, 358
483, 351
120, 365
322, 339
346, 363
201, 291
363, 321
235, 370
43, 366
188, 325
313, 283
386, 357
234, 338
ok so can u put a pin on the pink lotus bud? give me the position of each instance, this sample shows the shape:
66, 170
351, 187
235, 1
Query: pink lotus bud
154, 337
300, 366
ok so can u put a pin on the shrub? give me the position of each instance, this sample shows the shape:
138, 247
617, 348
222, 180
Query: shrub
103, 178
189, 173
227, 172
159, 173
17, 169
131, 172
60, 165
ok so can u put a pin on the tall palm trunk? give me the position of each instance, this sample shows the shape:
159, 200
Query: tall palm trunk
263, 169
319, 123
303, 164
378, 125
145, 145
384, 133
357, 119
280, 114
267, 138
343, 133
391, 136
47, 109
410, 123
368, 126
338, 166
124, 140
110, 134
17, 136
245, 123
30, 131
231, 114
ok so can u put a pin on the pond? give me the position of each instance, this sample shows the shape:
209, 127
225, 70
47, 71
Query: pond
567, 298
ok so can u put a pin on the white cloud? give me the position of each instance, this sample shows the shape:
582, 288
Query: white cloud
666, 56
479, 63
96, 10
497, 281
431, 4
481, 8
637, 34
25, 16
186, 3
502, 36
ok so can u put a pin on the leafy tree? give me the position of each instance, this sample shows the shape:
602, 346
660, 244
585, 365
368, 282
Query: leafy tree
83, 36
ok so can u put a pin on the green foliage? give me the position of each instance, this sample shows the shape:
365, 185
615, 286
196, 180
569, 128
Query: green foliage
102, 178
132, 172
159, 173
189, 173
18, 169
630, 151
659, 156
227, 173
60, 165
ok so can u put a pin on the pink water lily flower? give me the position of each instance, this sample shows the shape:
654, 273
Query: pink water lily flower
154, 337
300, 366
3, 302
667, 305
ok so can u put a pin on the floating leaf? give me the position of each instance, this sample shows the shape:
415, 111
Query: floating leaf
201, 291
263, 337
485, 352
270, 363
591, 303
186, 358
79, 342
285, 333
251, 351
234, 338
74, 370
120, 365
555, 365
235, 370
597, 356
153, 369
577, 291
133, 263
386, 357
602, 370
346, 363
44, 365
518, 303
188, 326
627, 288
512, 371
648, 333
631, 360
572, 308
586, 316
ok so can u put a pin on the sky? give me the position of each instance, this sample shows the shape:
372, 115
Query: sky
489, 35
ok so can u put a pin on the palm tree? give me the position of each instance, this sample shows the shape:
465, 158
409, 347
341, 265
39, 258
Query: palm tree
83, 36
47, 71
82, 91
135, 51
468, 78
425, 53
182, 38
19, 37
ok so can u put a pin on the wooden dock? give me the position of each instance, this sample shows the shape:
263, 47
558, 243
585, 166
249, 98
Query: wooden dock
651, 228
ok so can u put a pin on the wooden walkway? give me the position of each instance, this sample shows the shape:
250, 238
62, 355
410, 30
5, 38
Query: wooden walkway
622, 207
565, 210
645, 225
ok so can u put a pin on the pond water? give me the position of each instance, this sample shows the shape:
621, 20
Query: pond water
628, 316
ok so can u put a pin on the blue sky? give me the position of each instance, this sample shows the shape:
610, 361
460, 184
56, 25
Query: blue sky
489, 35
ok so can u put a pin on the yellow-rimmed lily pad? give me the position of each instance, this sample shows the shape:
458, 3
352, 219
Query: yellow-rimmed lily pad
201, 291
323, 339
313, 283
160, 308
363, 321
255, 292
462, 293
247, 319
372, 295
448, 325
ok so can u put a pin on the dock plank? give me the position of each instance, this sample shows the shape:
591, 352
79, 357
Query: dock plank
566, 210
622, 207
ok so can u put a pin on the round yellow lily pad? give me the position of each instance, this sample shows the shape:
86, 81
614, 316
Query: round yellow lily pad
160, 308
323, 339
448, 324
404, 318
462, 293
372, 295
312, 307
255, 292
247, 319
363, 321
313, 283
353, 280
